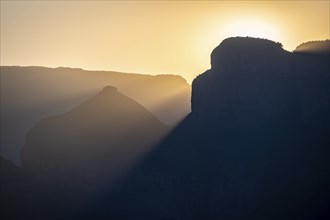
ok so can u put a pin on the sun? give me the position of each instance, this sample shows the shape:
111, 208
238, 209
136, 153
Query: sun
252, 28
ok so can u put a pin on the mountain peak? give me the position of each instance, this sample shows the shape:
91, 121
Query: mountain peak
109, 131
243, 50
108, 89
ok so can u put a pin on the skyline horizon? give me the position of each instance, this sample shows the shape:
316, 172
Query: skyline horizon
189, 81
148, 37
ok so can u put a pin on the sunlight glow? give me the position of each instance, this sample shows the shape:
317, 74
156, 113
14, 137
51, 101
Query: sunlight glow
253, 28
141, 37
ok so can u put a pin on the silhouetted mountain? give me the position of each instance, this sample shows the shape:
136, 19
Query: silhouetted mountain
254, 147
29, 94
69, 160
254, 85
93, 143
249, 86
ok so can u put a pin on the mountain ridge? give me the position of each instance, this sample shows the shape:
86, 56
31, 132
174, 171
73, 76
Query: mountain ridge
31, 93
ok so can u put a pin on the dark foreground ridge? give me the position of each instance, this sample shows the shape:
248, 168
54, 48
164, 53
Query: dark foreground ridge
256, 146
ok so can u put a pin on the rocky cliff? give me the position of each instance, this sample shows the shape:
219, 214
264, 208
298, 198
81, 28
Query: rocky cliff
254, 83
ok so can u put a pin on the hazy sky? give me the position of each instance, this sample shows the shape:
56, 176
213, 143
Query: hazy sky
162, 37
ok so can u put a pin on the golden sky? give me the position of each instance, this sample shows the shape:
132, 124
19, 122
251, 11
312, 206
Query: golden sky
151, 37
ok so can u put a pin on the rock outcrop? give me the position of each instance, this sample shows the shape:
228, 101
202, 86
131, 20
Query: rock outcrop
255, 84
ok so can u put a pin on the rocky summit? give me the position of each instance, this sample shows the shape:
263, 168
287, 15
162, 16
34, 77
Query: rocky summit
255, 83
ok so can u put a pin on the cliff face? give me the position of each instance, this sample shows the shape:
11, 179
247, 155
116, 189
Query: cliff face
254, 83
255, 146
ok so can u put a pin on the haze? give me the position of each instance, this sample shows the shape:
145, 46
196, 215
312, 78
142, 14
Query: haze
165, 37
